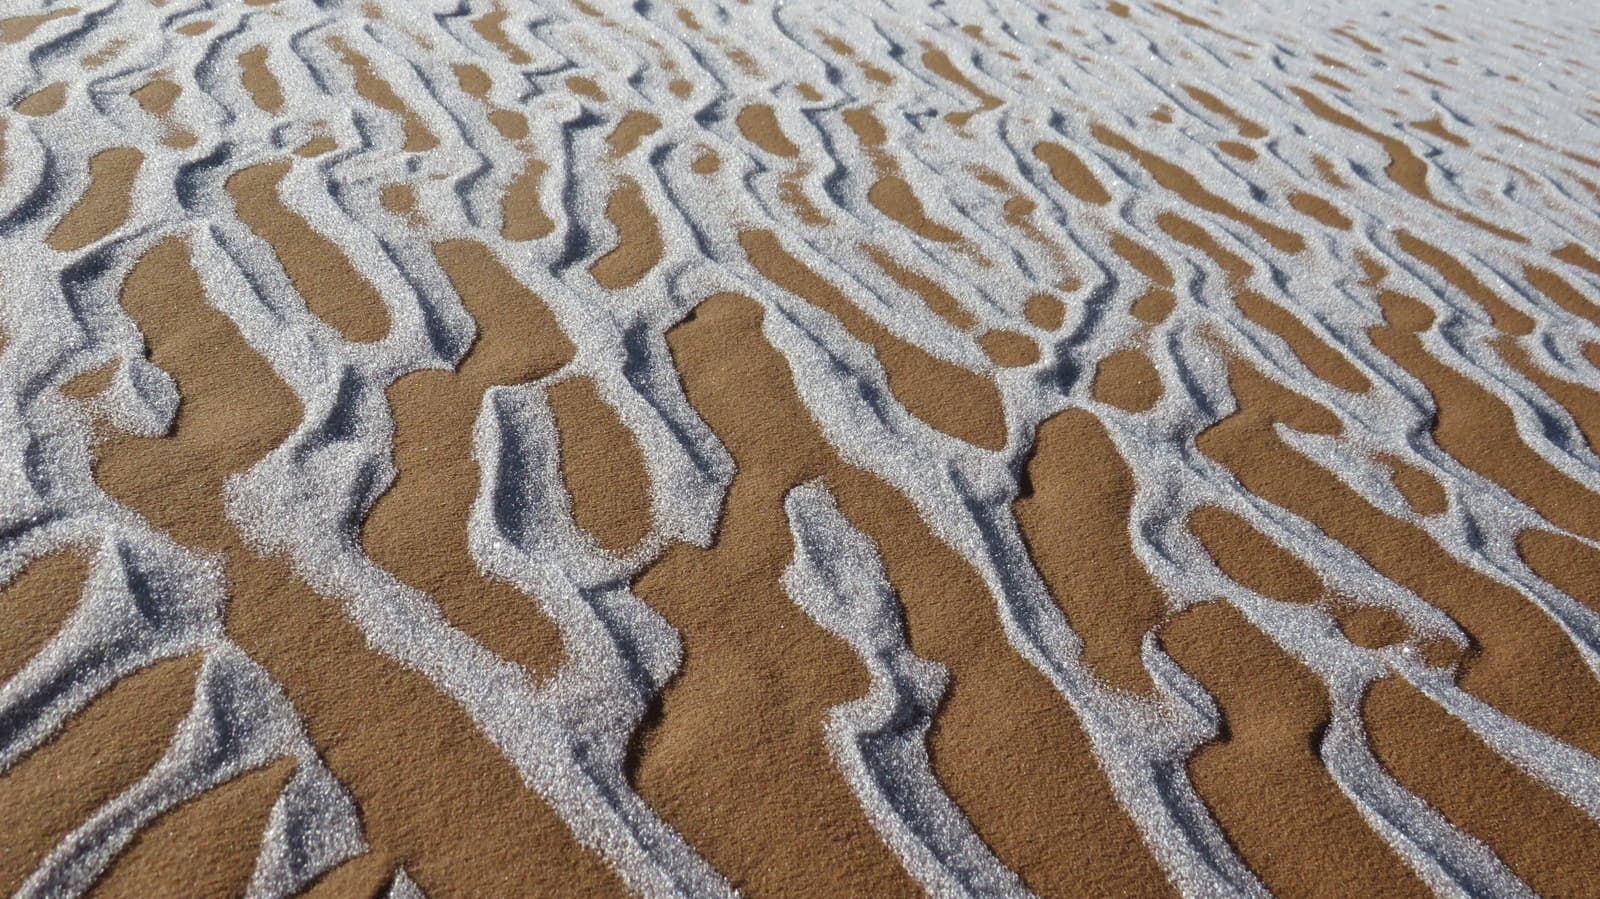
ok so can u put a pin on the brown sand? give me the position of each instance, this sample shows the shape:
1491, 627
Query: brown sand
1247, 129
586, 87
1155, 304
51, 791
791, 190
437, 479
1476, 428
1579, 400
331, 287
157, 97
316, 146
602, 466
260, 80
208, 844
1331, 82
522, 218
939, 63
378, 92
1422, 493
1201, 24
746, 704
1327, 172
1185, 231
1575, 254
639, 244
1019, 211
1572, 566
706, 163
759, 125
1070, 172
37, 601
867, 129
19, 28
633, 128
932, 292
1128, 380
892, 196
1008, 349
1324, 360
1523, 664
746, 63
1350, 35
1239, 151
1181, 182
1044, 311
958, 402
1561, 292
47, 100
1506, 317
1436, 127
1074, 519
1545, 841
872, 72
365, 876
104, 205
1250, 559
1004, 744
512, 125
491, 27
1263, 778
1316, 207
411, 757
1433, 82
1370, 626
401, 200
473, 79
1405, 168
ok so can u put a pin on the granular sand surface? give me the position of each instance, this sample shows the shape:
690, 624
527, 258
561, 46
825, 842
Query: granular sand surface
696, 448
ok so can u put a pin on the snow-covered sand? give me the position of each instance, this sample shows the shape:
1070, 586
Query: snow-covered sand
686, 448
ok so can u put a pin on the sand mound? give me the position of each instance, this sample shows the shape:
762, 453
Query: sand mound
685, 448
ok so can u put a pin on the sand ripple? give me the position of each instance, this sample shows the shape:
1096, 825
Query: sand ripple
692, 448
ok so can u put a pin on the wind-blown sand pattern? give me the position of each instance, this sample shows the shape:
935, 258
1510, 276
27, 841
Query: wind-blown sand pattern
681, 448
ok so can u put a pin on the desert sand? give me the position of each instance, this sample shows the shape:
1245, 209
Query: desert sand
694, 448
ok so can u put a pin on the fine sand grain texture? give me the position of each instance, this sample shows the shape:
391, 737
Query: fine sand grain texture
587, 448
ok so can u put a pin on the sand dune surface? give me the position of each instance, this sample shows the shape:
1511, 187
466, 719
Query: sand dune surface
714, 447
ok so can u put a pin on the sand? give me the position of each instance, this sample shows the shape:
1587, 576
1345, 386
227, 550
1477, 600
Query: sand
685, 449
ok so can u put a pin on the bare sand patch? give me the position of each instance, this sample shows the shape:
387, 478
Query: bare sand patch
981, 757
